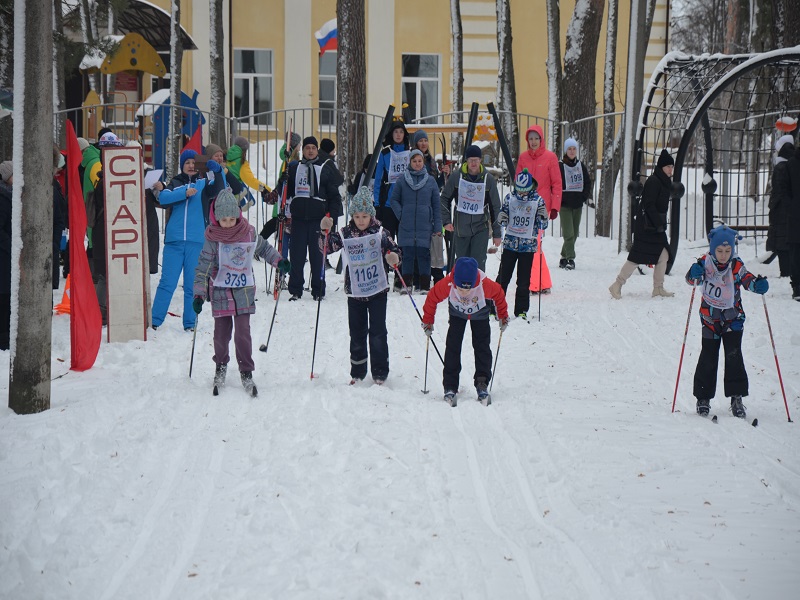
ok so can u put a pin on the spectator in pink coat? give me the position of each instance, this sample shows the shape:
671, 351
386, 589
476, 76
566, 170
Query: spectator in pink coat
543, 165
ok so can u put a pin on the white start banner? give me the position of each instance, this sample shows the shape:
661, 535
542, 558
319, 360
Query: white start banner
127, 271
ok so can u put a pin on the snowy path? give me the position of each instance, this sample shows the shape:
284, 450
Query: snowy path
577, 482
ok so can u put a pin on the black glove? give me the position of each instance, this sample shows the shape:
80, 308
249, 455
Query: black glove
284, 266
197, 304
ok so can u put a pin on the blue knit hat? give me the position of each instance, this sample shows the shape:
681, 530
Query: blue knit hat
719, 236
186, 155
523, 182
465, 272
570, 143
362, 202
418, 135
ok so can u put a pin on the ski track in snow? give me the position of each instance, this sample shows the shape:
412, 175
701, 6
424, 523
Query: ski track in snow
576, 482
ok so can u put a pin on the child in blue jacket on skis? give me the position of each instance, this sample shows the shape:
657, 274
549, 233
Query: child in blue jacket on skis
722, 275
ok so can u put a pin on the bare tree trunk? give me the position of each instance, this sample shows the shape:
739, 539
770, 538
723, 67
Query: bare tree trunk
554, 71
610, 168
456, 31
790, 23
59, 84
6, 73
174, 144
89, 30
351, 85
506, 84
32, 225
217, 131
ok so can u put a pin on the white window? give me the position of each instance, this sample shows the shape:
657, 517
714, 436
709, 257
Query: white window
160, 83
327, 89
420, 84
252, 85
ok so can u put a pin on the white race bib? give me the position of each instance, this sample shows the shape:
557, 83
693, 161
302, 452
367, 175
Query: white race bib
521, 217
573, 177
364, 259
302, 189
471, 197
718, 288
469, 301
235, 265
398, 163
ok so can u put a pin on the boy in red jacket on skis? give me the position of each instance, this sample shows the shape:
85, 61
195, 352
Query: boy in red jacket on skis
467, 290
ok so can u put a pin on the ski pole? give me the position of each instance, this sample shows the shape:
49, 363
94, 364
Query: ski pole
408, 293
496, 356
264, 347
319, 300
427, 346
683, 347
194, 339
775, 354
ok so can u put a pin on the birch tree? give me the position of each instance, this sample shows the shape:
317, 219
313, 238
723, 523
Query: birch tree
175, 121
32, 218
88, 14
457, 41
554, 70
6, 72
351, 85
611, 145
217, 131
506, 85
59, 84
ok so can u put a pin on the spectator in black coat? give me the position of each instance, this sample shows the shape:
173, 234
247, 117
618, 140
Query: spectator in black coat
793, 219
780, 198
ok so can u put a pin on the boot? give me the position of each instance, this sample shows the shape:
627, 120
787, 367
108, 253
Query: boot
424, 283
219, 375
248, 384
616, 290
660, 291
737, 408
703, 406
437, 274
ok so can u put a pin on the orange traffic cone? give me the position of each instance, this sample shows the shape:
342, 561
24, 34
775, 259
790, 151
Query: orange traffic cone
63, 307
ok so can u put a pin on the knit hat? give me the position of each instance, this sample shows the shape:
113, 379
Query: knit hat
362, 202
473, 151
665, 160
523, 182
212, 149
242, 142
6, 170
719, 236
465, 272
327, 145
570, 143
102, 132
186, 155
310, 140
784, 139
109, 139
83, 144
418, 135
226, 205
294, 139
416, 152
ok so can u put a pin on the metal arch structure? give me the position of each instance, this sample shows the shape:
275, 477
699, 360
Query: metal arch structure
730, 96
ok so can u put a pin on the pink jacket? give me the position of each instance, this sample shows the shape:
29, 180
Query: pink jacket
543, 165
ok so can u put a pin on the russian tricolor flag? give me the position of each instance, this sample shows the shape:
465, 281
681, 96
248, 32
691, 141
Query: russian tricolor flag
327, 37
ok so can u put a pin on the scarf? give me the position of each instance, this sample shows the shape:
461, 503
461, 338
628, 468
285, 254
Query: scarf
229, 235
313, 184
421, 176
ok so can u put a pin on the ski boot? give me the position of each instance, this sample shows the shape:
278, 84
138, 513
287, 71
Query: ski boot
570, 265
247, 383
737, 408
379, 380
219, 378
483, 393
450, 398
703, 406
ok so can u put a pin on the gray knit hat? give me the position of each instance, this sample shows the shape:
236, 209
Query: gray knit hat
242, 142
362, 202
226, 205
6, 170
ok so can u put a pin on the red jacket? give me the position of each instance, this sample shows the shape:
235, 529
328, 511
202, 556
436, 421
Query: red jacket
441, 291
543, 165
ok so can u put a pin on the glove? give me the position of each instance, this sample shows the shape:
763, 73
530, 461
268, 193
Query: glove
283, 266
428, 329
553, 214
213, 165
271, 197
503, 324
262, 188
503, 218
696, 272
326, 223
590, 203
281, 216
197, 304
392, 259
760, 285
284, 176
541, 212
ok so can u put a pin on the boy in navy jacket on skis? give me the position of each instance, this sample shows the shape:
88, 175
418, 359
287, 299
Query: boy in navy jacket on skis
721, 314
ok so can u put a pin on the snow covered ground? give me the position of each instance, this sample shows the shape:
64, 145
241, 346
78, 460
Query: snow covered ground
578, 482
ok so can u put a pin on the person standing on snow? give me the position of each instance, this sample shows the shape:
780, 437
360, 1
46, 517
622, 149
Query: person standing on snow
650, 245
368, 250
392, 163
477, 205
523, 213
224, 276
780, 199
419, 141
542, 164
722, 274
793, 217
577, 191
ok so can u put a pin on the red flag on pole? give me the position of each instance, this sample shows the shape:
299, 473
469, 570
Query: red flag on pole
85, 325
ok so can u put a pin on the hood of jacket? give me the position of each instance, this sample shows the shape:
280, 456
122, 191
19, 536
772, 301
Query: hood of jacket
538, 129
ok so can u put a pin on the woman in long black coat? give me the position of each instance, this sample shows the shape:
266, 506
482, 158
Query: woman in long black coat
780, 198
650, 244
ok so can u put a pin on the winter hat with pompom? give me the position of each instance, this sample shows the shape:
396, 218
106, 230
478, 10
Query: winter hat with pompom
242, 142
226, 205
362, 202
524, 182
